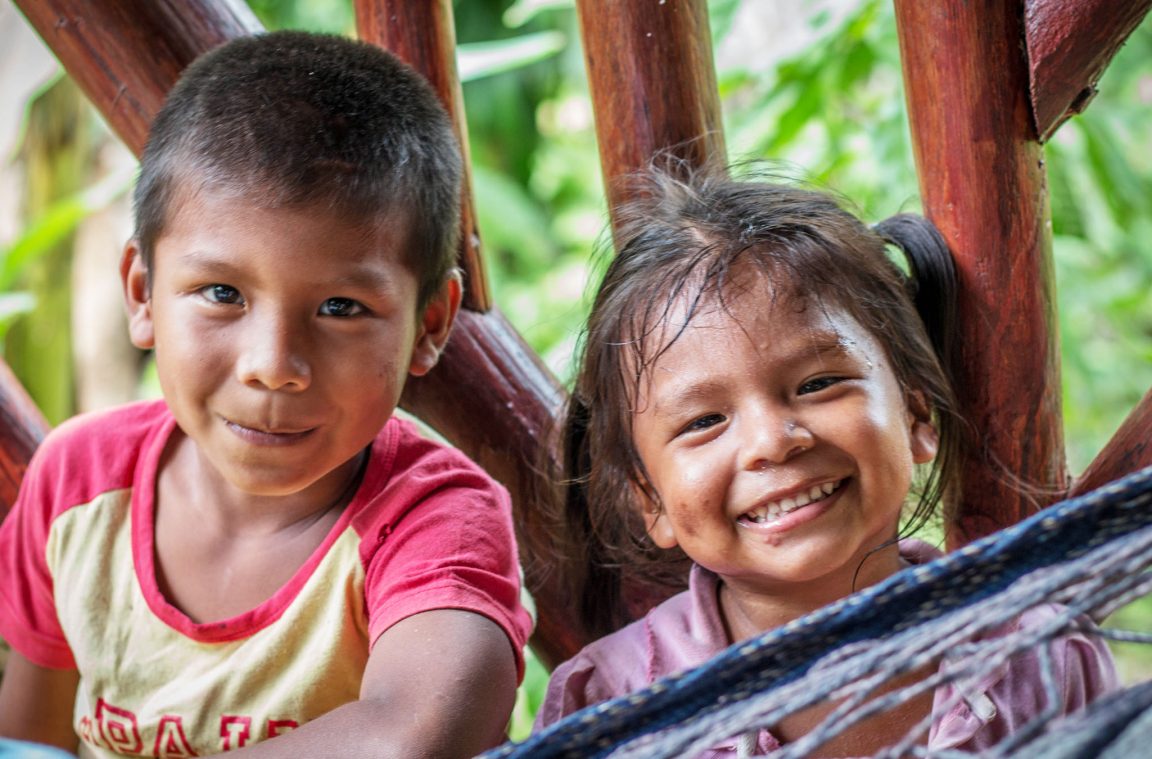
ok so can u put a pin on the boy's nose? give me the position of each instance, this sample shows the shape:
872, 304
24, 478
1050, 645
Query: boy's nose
774, 438
273, 357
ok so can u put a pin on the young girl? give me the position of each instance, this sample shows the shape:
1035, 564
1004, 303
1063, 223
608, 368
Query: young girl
759, 383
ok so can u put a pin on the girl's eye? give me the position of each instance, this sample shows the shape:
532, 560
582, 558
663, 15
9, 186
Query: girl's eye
704, 422
223, 294
818, 384
340, 307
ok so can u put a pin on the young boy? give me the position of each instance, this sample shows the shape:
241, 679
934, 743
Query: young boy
268, 552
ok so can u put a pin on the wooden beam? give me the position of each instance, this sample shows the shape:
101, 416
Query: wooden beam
983, 183
126, 55
653, 84
423, 35
493, 398
1070, 43
1129, 449
22, 427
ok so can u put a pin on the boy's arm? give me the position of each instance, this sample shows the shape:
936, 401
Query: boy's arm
36, 703
440, 683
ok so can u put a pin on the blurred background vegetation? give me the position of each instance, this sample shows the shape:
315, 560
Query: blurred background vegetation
812, 84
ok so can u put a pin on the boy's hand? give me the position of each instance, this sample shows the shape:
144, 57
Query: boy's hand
438, 684
36, 703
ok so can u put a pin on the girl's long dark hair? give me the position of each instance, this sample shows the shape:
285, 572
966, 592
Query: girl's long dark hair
677, 242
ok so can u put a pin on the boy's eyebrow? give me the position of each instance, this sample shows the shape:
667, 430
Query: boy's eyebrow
364, 277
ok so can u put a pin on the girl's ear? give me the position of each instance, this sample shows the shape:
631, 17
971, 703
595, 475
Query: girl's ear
923, 437
137, 297
656, 522
435, 325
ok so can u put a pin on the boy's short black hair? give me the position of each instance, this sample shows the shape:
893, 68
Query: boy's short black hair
295, 118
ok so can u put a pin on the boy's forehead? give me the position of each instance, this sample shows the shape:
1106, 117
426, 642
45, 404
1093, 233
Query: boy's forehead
192, 194
221, 221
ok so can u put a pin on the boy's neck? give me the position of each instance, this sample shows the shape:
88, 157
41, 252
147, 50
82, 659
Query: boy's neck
188, 476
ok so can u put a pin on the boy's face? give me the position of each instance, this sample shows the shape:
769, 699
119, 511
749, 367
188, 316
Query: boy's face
283, 337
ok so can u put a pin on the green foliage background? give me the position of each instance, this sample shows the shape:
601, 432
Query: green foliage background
832, 113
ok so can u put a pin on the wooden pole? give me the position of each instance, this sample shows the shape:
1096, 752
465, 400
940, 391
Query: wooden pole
983, 183
1128, 450
653, 84
22, 427
1070, 43
126, 55
423, 35
490, 396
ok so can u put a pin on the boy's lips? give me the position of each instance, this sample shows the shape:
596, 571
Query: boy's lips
268, 435
770, 511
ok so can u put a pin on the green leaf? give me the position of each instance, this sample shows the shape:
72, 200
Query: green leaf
480, 59
57, 223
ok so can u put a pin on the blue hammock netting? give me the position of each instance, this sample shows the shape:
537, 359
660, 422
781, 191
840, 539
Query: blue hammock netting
1089, 554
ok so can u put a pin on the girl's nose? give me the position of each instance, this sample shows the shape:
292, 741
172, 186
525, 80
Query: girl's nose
273, 356
773, 438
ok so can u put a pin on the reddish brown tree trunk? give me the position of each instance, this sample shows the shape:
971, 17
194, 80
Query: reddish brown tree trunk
1070, 43
653, 84
983, 183
125, 56
22, 427
423, 34
1128, 450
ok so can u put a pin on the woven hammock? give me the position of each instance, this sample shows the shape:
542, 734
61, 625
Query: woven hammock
1089, 554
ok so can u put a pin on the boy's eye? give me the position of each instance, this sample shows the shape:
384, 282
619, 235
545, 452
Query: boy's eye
222, 294
340, 307
704, 422
818, 384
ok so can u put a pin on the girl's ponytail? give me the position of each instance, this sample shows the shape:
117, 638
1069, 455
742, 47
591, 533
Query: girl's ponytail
932, 280
932, 287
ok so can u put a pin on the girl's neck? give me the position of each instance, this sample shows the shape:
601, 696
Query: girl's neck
748, 609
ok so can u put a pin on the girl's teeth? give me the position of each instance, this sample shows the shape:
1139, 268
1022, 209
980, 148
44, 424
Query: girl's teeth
773, 511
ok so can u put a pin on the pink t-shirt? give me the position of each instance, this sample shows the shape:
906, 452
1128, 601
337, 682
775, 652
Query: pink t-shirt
427, 529
687, 630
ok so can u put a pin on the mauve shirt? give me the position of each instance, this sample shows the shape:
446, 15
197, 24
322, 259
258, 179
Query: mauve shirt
686, 631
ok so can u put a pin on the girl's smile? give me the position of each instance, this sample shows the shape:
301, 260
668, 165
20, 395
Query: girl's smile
781, 514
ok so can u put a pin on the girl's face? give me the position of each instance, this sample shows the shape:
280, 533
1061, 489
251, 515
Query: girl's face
779, 443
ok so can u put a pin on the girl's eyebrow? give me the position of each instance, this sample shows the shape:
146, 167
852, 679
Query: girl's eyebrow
825, 342
818, 344
683, 398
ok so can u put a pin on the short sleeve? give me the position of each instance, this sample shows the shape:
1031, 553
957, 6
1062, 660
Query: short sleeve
573, 686
28, 620
449, 545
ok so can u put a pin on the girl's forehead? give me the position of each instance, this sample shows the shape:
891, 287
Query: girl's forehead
774, 321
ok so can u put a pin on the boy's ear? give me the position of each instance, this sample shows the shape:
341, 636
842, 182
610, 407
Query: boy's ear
435, 325
656, 522
923, 437
137, 298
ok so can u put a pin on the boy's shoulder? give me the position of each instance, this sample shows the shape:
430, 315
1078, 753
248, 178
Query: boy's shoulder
112, 430
409, 471
407, 449
99, 451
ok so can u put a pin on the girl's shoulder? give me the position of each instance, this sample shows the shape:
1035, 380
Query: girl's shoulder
678, 634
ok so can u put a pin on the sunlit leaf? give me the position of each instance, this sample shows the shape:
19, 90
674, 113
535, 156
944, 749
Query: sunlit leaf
480, 59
